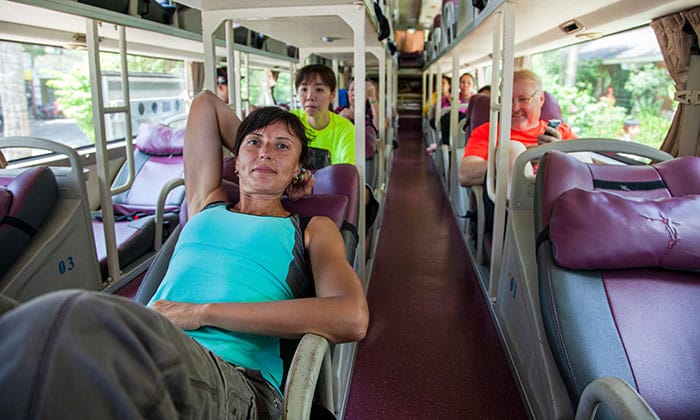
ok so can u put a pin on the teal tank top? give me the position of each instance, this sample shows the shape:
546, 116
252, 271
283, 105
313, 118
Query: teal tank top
226, 256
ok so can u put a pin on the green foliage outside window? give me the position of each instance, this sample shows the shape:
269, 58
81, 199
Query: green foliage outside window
605, 95
73, 88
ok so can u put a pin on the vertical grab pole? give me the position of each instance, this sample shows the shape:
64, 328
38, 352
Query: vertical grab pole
292, 93
237, 83
438, 104
230, 65
102, 158
504, 149
454, 118
357, 22
126, 110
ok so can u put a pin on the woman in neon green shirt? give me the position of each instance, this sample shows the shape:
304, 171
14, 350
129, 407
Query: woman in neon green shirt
316, 85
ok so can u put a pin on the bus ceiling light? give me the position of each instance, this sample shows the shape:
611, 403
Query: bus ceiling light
571, 27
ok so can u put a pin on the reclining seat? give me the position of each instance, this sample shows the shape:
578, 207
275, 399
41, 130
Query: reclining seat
342, 179
307, 361
25, 202
42, 242
618, 256
157, 161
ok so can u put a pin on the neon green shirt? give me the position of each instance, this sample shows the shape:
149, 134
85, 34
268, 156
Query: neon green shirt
338, 137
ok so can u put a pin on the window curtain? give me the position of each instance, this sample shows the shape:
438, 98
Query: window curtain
197, 75
675, 47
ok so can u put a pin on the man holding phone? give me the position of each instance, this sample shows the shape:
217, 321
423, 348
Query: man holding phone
527, 129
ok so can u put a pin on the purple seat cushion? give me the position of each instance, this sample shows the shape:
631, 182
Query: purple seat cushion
5, 201
550, 109
25, 202
340, 179
477, 112
675, 178
160, 140
656, 315
332, 206
150, 179
621, 232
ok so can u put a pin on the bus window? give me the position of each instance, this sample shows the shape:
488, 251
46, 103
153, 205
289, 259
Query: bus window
46, 93
604, 84
283, 89
157, 91
268, 87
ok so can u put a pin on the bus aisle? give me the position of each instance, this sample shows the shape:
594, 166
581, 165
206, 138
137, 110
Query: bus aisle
432, 350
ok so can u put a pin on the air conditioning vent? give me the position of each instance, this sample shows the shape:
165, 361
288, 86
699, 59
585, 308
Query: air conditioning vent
571, 27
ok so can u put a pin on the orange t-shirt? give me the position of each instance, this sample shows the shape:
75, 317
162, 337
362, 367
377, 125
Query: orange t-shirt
478, 142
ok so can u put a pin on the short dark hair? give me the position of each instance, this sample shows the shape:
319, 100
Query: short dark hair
307, 72
222, 76
264, 116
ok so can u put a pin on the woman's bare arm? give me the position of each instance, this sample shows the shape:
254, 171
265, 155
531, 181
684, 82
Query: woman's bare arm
210, 125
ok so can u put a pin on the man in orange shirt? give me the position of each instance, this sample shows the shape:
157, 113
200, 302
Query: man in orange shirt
527, 129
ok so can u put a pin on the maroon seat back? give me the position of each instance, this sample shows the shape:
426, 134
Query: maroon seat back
477, 112
25, 201
618, 260
550, 108
340, 179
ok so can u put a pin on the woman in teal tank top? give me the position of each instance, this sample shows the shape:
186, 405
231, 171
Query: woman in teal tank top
208, 346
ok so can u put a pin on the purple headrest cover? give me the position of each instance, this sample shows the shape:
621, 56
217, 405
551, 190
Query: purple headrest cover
601, 230
333, 206
160, 140
5, 202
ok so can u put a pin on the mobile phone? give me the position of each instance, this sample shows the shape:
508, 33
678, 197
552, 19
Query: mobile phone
553, 123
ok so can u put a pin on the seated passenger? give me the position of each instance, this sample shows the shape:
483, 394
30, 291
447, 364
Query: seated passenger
315, 85
484, 90
222, 83
428, 107
208, 346
371, 115
466, 90
527, 129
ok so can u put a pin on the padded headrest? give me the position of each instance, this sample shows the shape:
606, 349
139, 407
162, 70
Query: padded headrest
5, 202
340, 179
330, 205
229, 169
596, 230
160, 140
24, 204
477, 112
34, 192
550, 108
334, 206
